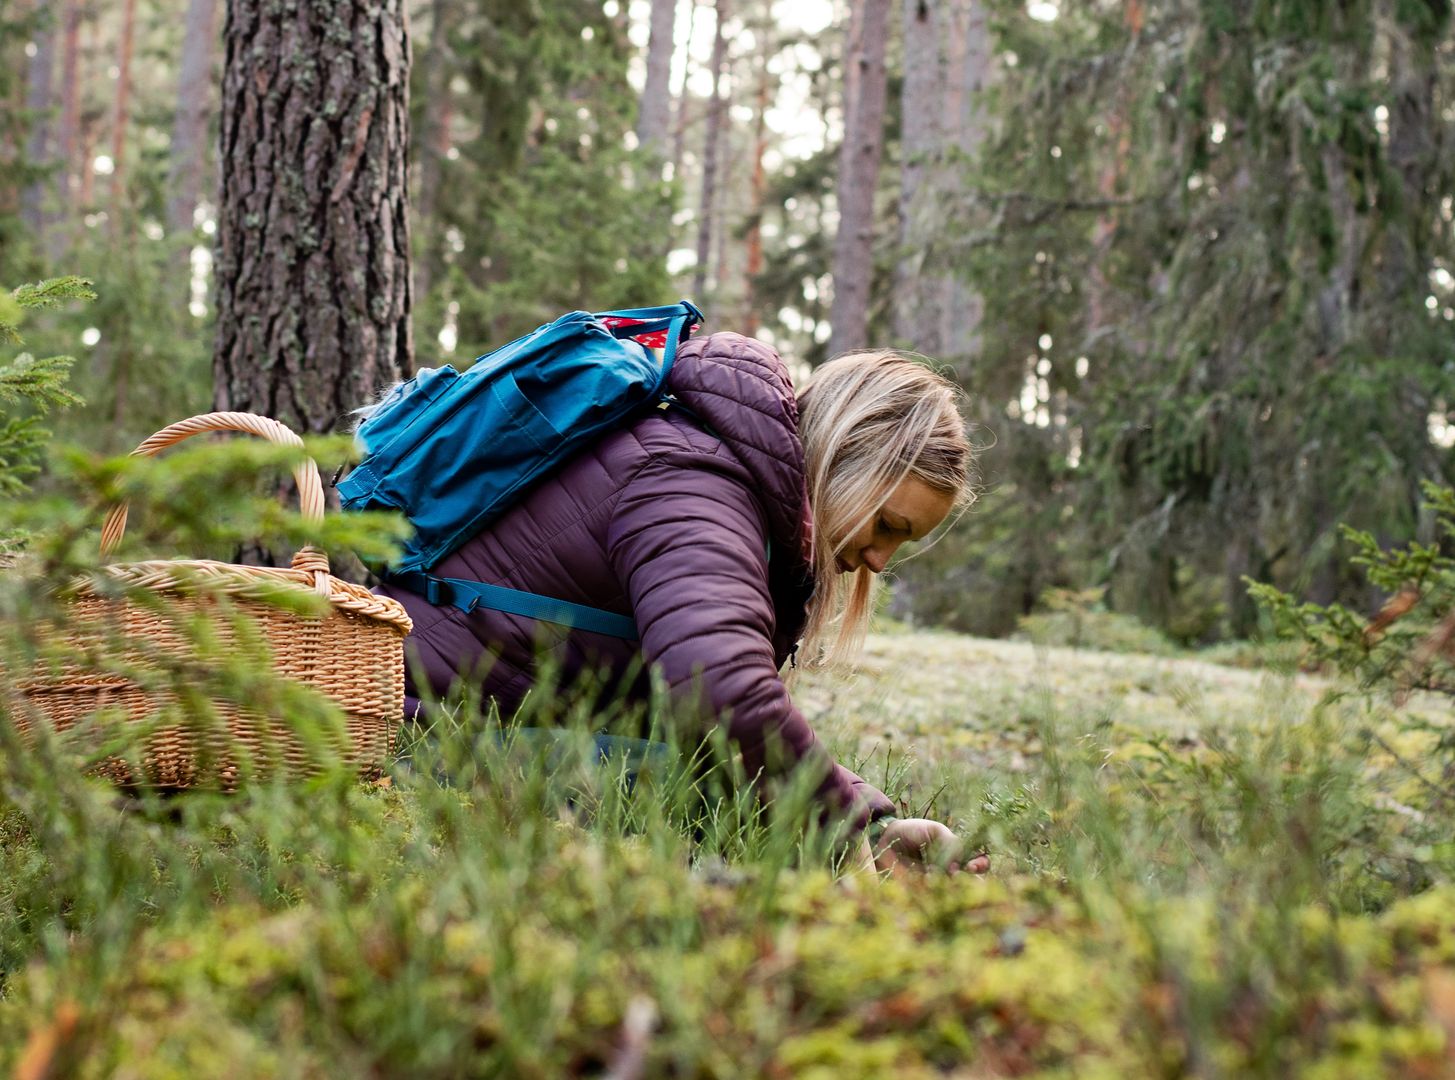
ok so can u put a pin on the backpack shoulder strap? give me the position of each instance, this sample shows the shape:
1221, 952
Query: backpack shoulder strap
663, 327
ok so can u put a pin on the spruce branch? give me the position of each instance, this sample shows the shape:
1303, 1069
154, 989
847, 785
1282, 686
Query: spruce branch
19, 442
54, 291
41, 381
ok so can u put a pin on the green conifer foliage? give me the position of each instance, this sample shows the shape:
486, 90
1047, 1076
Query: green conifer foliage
31, 385
1213, 241
542, 206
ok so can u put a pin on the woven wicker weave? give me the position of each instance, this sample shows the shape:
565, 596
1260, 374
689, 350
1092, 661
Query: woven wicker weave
353, 654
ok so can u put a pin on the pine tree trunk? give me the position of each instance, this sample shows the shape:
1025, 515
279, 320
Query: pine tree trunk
41, 78
916, 314
970, 63
434, 143
753, 265
13, 136
853, 41
1118, 130
84, 194
709, 154
313, 289
95, 116
69, 130
655, 113
859, 158
1414, 154
726, 160
123, 103
684, 99
189, 125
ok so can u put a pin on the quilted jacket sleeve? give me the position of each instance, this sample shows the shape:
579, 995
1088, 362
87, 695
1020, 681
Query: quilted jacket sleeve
687, 541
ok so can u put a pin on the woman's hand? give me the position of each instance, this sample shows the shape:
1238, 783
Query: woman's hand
919, 843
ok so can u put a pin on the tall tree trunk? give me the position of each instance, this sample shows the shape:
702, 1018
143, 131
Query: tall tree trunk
189, 125
15, 130
967, 125
123, 103
853, 39
93, 114
313, 289
655, 113
1414, 155
721, 232
859, 158
753, 265
39, 86
1119, 135
69, 131
916, 314
84, 193
710, 152
434, 143
684, 99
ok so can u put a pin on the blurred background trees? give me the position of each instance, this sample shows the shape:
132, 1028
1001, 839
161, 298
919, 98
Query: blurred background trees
1191, 260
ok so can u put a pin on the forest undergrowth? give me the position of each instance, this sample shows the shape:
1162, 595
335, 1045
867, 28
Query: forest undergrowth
1246, 879
1196, 870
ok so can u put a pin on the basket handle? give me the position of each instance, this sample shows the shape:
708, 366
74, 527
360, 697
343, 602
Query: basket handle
305, 474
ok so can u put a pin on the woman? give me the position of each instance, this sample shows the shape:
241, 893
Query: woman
727, 529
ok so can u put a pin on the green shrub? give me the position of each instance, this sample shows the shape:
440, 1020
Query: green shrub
1410, 643
1251, 655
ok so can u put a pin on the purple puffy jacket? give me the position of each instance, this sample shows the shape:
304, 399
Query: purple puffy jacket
669, 521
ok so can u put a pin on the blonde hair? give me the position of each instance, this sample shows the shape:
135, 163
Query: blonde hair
869, 421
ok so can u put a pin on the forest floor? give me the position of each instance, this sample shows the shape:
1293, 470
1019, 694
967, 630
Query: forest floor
961, 703
1197, 870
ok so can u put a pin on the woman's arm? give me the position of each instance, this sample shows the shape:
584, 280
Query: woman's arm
687, 541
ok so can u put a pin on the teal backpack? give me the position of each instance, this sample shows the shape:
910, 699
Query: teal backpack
453, 450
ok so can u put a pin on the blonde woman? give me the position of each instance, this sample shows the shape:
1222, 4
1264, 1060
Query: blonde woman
728, 530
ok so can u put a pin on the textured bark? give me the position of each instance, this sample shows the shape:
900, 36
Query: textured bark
434, 142
916, 314
970, 64
123, 103
859, 159
39, 87
69, 130
313, 288
655, 113
711, 142
189, 125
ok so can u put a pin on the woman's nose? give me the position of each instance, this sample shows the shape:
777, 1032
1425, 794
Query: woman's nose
875, 558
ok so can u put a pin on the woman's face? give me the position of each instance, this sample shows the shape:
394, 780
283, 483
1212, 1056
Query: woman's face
910, 512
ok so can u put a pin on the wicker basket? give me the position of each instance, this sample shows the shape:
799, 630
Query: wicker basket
353, 654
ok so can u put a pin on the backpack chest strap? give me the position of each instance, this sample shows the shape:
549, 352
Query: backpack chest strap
468, 595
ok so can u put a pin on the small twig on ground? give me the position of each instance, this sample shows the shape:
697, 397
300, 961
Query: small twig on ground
630, 1060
